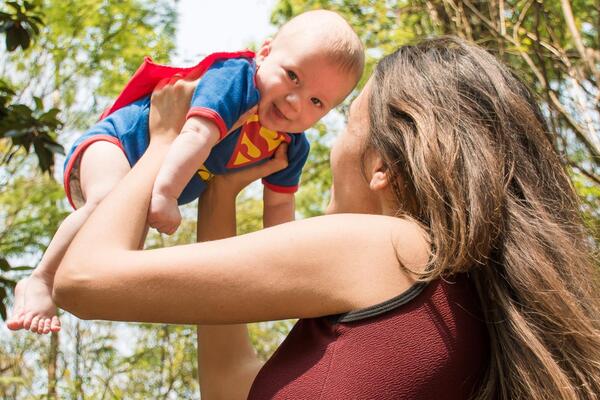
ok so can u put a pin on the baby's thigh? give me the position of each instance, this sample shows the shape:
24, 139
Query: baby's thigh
102, 166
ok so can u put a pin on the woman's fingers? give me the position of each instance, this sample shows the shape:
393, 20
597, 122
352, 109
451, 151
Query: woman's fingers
279, 160
175, 78
161, 84
239, 180
170, 103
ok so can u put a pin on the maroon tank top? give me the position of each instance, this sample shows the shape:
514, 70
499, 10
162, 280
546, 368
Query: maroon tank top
430, 342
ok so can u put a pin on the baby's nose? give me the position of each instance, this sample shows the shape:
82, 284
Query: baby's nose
294, 101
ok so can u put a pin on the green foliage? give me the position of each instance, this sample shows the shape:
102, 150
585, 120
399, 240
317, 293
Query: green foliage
161, 365
27, 128
102, 360
314, 192
20, 23
90, 48
105, 40
19, 358
267, 336
590, 199
23, 126
30, 211
83, 49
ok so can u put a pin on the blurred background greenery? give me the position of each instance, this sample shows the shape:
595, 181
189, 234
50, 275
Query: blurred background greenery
62, 61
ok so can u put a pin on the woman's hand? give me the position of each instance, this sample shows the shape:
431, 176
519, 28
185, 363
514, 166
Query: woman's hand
169, 105
233, 183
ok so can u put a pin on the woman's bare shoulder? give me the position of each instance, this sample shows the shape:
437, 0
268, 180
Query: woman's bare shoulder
382, 239
379, 251
404, 235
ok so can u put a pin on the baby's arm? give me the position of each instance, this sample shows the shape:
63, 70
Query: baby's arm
187, 153
279, 188
278, 207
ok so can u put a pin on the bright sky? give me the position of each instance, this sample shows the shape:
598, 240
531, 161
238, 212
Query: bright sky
206, 26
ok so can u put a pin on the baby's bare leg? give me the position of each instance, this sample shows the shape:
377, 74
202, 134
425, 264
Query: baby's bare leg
103, 164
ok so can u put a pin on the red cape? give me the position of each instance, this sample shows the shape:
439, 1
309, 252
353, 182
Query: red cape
149, 74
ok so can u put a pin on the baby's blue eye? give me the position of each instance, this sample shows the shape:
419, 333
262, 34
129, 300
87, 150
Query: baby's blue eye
292, 75
316, 102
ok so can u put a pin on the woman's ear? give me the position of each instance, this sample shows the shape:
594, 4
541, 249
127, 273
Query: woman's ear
264, 50
379, 175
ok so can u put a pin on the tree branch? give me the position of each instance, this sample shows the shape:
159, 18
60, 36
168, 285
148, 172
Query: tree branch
587, 174
568, 14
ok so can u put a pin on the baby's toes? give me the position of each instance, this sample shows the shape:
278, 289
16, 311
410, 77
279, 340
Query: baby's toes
27, 320
34, 324
44, 326
55, 324
38, 327
19, 319
15, 322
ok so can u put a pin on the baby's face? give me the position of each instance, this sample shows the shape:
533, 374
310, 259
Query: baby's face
298, 85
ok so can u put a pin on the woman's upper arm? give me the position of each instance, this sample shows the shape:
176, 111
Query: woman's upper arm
314, 267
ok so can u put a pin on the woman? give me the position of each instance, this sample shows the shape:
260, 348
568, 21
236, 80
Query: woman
452, 263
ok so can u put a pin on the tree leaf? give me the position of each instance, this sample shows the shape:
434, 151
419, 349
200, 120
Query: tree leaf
14, 5
13, 133
44, 156
23, 37
12, 40
49, 117
4, 265
23, 110
22, 268
2, 306
38, 103
54, 147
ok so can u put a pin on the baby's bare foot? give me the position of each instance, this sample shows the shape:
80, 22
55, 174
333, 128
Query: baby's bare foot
15, 321
34, 309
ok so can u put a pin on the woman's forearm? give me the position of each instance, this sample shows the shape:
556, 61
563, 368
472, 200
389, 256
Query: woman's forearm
321, 266
227, 362
130, 211
102, 240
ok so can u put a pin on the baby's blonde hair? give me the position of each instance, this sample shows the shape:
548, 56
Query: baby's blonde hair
342, 44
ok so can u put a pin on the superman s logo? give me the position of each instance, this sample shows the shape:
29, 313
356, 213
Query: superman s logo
255, 143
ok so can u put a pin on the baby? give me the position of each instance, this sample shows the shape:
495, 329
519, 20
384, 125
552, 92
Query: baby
244, 106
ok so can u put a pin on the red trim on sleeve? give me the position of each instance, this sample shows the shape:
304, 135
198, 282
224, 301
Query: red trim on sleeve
81, 147
280, 189
211, 115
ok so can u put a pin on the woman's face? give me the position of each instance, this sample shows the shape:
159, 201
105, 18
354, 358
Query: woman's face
350, 192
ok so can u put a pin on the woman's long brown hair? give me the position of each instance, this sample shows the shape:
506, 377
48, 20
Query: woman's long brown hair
471, 159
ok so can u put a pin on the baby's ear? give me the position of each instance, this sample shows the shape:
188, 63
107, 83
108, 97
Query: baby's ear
264, 50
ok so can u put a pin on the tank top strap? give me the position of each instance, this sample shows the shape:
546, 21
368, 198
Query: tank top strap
381, 308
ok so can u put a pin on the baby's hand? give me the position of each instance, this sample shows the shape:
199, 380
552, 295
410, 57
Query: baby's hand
164, 214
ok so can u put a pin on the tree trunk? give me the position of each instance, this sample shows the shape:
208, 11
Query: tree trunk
53, 355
